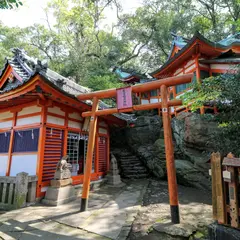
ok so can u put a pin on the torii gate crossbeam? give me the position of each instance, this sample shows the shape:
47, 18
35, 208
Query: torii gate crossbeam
169, 150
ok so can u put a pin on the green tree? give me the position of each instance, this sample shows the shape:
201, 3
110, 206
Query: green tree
6, 4
223, 92
15, 37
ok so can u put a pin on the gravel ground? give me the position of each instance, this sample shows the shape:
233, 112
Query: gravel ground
195, 209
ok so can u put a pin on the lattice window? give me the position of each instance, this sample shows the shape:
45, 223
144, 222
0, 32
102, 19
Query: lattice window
4, 140
26, 140
73, 147
102, 145
52, 152
85, 155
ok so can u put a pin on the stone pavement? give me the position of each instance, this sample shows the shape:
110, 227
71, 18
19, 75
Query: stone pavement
110, 216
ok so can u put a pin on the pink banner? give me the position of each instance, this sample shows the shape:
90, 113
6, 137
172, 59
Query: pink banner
124, 98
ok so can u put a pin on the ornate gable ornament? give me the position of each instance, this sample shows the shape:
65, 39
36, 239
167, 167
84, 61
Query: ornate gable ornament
11, 78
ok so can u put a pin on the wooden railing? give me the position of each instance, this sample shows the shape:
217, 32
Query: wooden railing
15, 192
225, 189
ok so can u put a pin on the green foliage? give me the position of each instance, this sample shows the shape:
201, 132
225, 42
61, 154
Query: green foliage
9, 4
223, 92
82, 46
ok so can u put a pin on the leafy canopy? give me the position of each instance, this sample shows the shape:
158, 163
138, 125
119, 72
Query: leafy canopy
9, 4
83, 45
223, 92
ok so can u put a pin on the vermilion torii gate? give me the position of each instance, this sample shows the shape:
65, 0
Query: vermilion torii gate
164, 105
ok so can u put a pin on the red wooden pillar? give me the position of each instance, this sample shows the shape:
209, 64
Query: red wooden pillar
41, 146
11, 144
65, 132
108, 151
90, 149
97, 152
171, 171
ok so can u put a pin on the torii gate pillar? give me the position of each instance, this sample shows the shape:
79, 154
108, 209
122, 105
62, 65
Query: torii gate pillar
169, 151
90, 150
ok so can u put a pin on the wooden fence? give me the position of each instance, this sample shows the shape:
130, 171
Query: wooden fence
225, 189
15, 192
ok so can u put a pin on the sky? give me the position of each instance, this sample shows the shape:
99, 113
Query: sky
32, 12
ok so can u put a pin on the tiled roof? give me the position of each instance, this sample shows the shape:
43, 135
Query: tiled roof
26, 67
224, 45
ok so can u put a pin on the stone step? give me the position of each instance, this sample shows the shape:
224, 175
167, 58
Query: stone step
137, 176
129, 157
129, 160
133, 166
130, 172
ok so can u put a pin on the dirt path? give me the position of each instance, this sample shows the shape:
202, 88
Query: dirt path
195, 210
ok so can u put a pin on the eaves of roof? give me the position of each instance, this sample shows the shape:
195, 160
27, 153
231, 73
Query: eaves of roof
221, 60
197, 36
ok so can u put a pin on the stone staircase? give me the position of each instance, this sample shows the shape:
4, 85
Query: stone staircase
130, 166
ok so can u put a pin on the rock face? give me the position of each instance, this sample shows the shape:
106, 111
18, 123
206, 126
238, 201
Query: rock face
192, 139
194, 136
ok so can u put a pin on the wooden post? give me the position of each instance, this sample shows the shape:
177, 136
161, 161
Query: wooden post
11, 144
214, 189
221, 211
233, 193
218, 199
233, 197
90, 149
171, 171
41, 148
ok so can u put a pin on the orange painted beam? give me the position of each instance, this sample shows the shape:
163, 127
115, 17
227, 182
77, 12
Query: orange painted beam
169, 151
145, 87
90, 150
134, 108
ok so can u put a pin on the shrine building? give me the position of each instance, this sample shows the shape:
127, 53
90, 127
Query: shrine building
40, 121
197, 55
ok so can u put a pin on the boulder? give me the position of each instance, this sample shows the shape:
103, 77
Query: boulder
153, 156
147, 130
192, 130
189, 175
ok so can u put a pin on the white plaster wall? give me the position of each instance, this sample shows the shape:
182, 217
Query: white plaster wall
154, 100
190, 68
181, 73
55, 120
44, 189
75, 115
4, 115
204, 65
102, 130
6, 124
190, 62
222, 66
29, 110
178, 71
73, 124
144, 101
86, 124
3, 164
56, 110
28, 120
23, 163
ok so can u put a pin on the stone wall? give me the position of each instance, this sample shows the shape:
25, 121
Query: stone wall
193, 145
